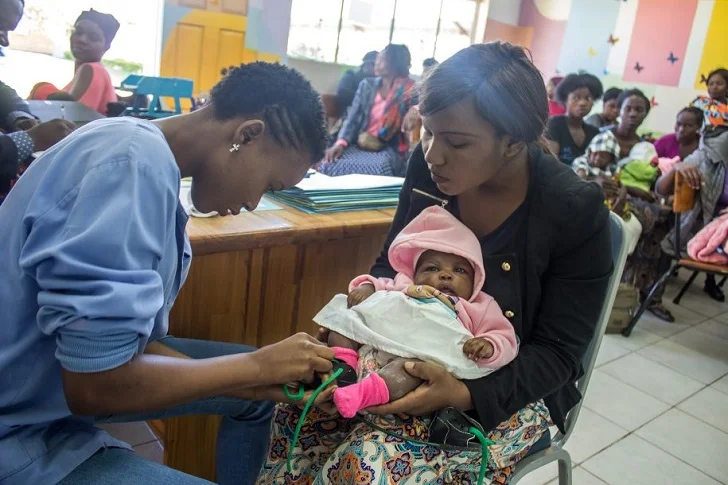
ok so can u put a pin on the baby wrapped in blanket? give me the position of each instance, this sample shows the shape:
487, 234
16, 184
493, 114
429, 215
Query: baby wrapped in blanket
432, 310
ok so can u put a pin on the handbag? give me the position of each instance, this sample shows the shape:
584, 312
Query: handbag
369, 142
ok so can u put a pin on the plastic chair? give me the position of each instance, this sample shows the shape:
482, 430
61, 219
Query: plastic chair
556, 451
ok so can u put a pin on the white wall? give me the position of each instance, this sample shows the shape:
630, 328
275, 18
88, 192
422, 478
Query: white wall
324, 76
506, 11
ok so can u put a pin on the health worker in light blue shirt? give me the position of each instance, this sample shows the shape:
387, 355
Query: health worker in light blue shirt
94, 252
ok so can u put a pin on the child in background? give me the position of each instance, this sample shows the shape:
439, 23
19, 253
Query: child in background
610, 110
600, 159
568, 136
714, 105
432, 310
599, 165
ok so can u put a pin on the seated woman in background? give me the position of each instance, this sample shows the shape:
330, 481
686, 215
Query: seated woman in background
705, 171
91, 83
686, 137
555, 108
610, 110
714, 105
645, 266
568, 135
371, 140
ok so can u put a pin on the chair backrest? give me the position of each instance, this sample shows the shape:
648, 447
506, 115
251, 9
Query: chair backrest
619, 256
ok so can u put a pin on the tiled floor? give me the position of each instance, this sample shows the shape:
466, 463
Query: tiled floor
656, 412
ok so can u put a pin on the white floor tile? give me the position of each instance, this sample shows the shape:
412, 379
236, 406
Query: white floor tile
721, 385
683, 316
638, 339
714, 328
656, 380
708, 405
722, 318
701, 339
609, 351
699, 444
624, 405
686, 361
700, 302
637, 462
132, 433
153, 451
581, 477
541, 476
684, 319
593, 433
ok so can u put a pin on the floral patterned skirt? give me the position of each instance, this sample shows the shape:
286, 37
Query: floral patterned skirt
337, 451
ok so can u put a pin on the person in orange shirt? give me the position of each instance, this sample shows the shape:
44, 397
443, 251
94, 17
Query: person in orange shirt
91, 84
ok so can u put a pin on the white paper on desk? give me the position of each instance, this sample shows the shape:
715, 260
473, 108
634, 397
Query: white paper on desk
319, 181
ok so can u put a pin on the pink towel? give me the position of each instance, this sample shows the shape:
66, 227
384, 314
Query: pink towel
666, 164
702, 247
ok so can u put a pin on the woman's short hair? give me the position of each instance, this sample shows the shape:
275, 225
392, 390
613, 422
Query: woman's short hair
610, 94
398, 59
697, 112
281, 97
628, 93
506, 87
718, 72
572, 82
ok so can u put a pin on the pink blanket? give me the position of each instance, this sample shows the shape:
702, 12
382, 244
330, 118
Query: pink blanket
702, 247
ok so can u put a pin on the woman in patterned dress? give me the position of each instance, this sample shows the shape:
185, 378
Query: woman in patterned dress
371, 139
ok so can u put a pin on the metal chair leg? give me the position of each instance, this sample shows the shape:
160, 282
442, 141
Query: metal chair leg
685, 287
722, 282
565, 471
663, 279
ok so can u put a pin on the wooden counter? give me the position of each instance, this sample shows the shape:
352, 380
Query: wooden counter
256, 279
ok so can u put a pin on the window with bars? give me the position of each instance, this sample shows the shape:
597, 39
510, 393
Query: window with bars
342, 31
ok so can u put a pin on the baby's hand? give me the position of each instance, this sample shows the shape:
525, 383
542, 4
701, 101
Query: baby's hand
477, 349
360, 294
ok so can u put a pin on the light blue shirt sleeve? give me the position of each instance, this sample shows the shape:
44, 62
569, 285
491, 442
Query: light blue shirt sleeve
95, 257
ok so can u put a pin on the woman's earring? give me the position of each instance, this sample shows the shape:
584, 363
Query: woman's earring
235, 148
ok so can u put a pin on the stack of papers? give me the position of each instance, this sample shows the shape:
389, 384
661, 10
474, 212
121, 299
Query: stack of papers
321, 194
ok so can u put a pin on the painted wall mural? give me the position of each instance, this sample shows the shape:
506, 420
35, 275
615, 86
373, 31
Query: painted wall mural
200, 38
663, 47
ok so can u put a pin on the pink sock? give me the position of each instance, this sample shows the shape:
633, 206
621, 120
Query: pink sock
350, 356
371, 391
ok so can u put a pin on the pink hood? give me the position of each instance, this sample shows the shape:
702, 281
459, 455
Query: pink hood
438, 230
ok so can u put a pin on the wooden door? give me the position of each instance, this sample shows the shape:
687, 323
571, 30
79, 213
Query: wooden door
202, 44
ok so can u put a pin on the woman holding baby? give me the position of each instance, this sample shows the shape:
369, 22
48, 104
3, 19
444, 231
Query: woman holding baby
546, 260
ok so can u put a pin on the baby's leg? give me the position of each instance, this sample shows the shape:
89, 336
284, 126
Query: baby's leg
388, 384
399, 381
338, 340
344, 348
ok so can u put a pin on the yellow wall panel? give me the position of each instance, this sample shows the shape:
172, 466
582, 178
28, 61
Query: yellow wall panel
715, 53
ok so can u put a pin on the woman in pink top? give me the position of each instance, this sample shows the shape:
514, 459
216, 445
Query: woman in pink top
684, 140
91, 84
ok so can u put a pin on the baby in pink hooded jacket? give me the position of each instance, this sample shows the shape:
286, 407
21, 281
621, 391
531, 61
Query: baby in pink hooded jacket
438, 260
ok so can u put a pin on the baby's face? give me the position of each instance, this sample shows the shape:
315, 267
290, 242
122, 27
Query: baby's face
451, 274
600, 159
